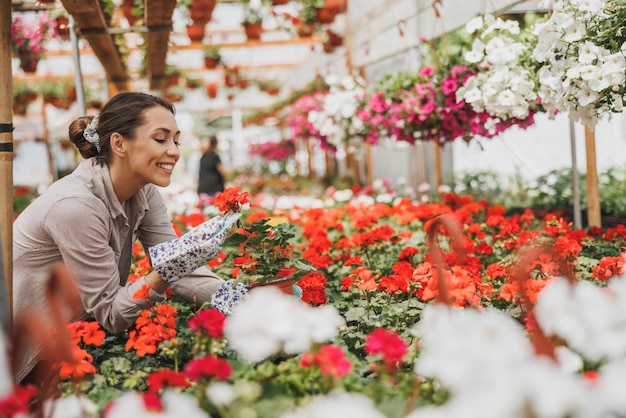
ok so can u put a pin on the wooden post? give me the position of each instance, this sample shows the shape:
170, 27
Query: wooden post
369, 166
6, 163
438, 173
593, 190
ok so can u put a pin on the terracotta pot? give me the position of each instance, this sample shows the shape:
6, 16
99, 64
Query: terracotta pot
243, 84
210, 63
306, 30
285, 285
173, 80
253, 31
71, 94
337, 5
334, 38
127, 11
195, 32
280, 2
211, 90
201, 11
63, 27
325, 15
230, 81
328, 47
29, 66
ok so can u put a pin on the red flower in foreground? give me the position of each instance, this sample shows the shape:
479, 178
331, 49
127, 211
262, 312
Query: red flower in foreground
210, 321
208, 366
388, 344
331, 360
166, 378
18, 401
230, 200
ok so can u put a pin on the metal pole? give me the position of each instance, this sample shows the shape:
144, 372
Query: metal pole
78, 73
6, 163
575, 180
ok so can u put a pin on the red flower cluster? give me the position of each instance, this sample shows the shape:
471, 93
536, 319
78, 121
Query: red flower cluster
329, 358
155, 325
231, 200
166, 378
208, 321
387, 344
207, 367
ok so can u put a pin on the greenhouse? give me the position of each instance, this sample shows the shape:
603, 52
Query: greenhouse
313, 208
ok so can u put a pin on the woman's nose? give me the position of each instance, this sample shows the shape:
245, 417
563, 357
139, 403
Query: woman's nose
173, 150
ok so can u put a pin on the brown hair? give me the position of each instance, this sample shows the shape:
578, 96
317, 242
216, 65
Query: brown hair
123, 114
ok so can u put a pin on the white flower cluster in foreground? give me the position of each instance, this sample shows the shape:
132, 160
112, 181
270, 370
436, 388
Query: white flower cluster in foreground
504, 86
269, 322
337, 121
337, 405
175, 405
488, 364
577, 75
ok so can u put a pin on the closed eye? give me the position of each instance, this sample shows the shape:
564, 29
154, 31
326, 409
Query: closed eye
162, 141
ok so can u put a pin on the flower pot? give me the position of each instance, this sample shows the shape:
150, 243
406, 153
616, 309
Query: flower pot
280, 2
284, 284
306, 30
211, 90
127, 7
29, 65
336, 5
325, 15
195, 32
253, 31
230, 81
243, 84
211, 63
63, 27
201, 11
328, 47
334, 38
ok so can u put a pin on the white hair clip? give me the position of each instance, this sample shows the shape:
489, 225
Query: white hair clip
91, 134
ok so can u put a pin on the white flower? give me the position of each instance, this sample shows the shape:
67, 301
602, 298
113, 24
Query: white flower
220, 393
269, 322
337, 405
70, 407
175, 405
474, 24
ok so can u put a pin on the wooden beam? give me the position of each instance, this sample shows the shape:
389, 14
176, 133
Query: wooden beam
6, 167
593, 191
158, 13
89, 17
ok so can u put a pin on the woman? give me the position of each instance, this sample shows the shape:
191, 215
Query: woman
90, 219
212, 173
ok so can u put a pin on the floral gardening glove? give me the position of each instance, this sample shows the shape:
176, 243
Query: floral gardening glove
179, 257
228, 296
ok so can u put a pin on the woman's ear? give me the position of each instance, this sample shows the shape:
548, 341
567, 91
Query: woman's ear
117, 144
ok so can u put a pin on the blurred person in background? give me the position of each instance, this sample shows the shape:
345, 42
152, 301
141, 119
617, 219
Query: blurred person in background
212, 174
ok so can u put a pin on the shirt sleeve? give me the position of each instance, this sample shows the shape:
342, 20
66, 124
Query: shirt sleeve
156, 227
81, 228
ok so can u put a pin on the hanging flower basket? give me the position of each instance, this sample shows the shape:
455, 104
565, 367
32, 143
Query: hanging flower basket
29, 64
62, 27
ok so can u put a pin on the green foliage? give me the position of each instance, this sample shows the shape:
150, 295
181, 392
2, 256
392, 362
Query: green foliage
251, 16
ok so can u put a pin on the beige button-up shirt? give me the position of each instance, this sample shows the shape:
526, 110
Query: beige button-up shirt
80, 222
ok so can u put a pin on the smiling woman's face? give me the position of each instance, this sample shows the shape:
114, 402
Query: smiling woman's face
153, 153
